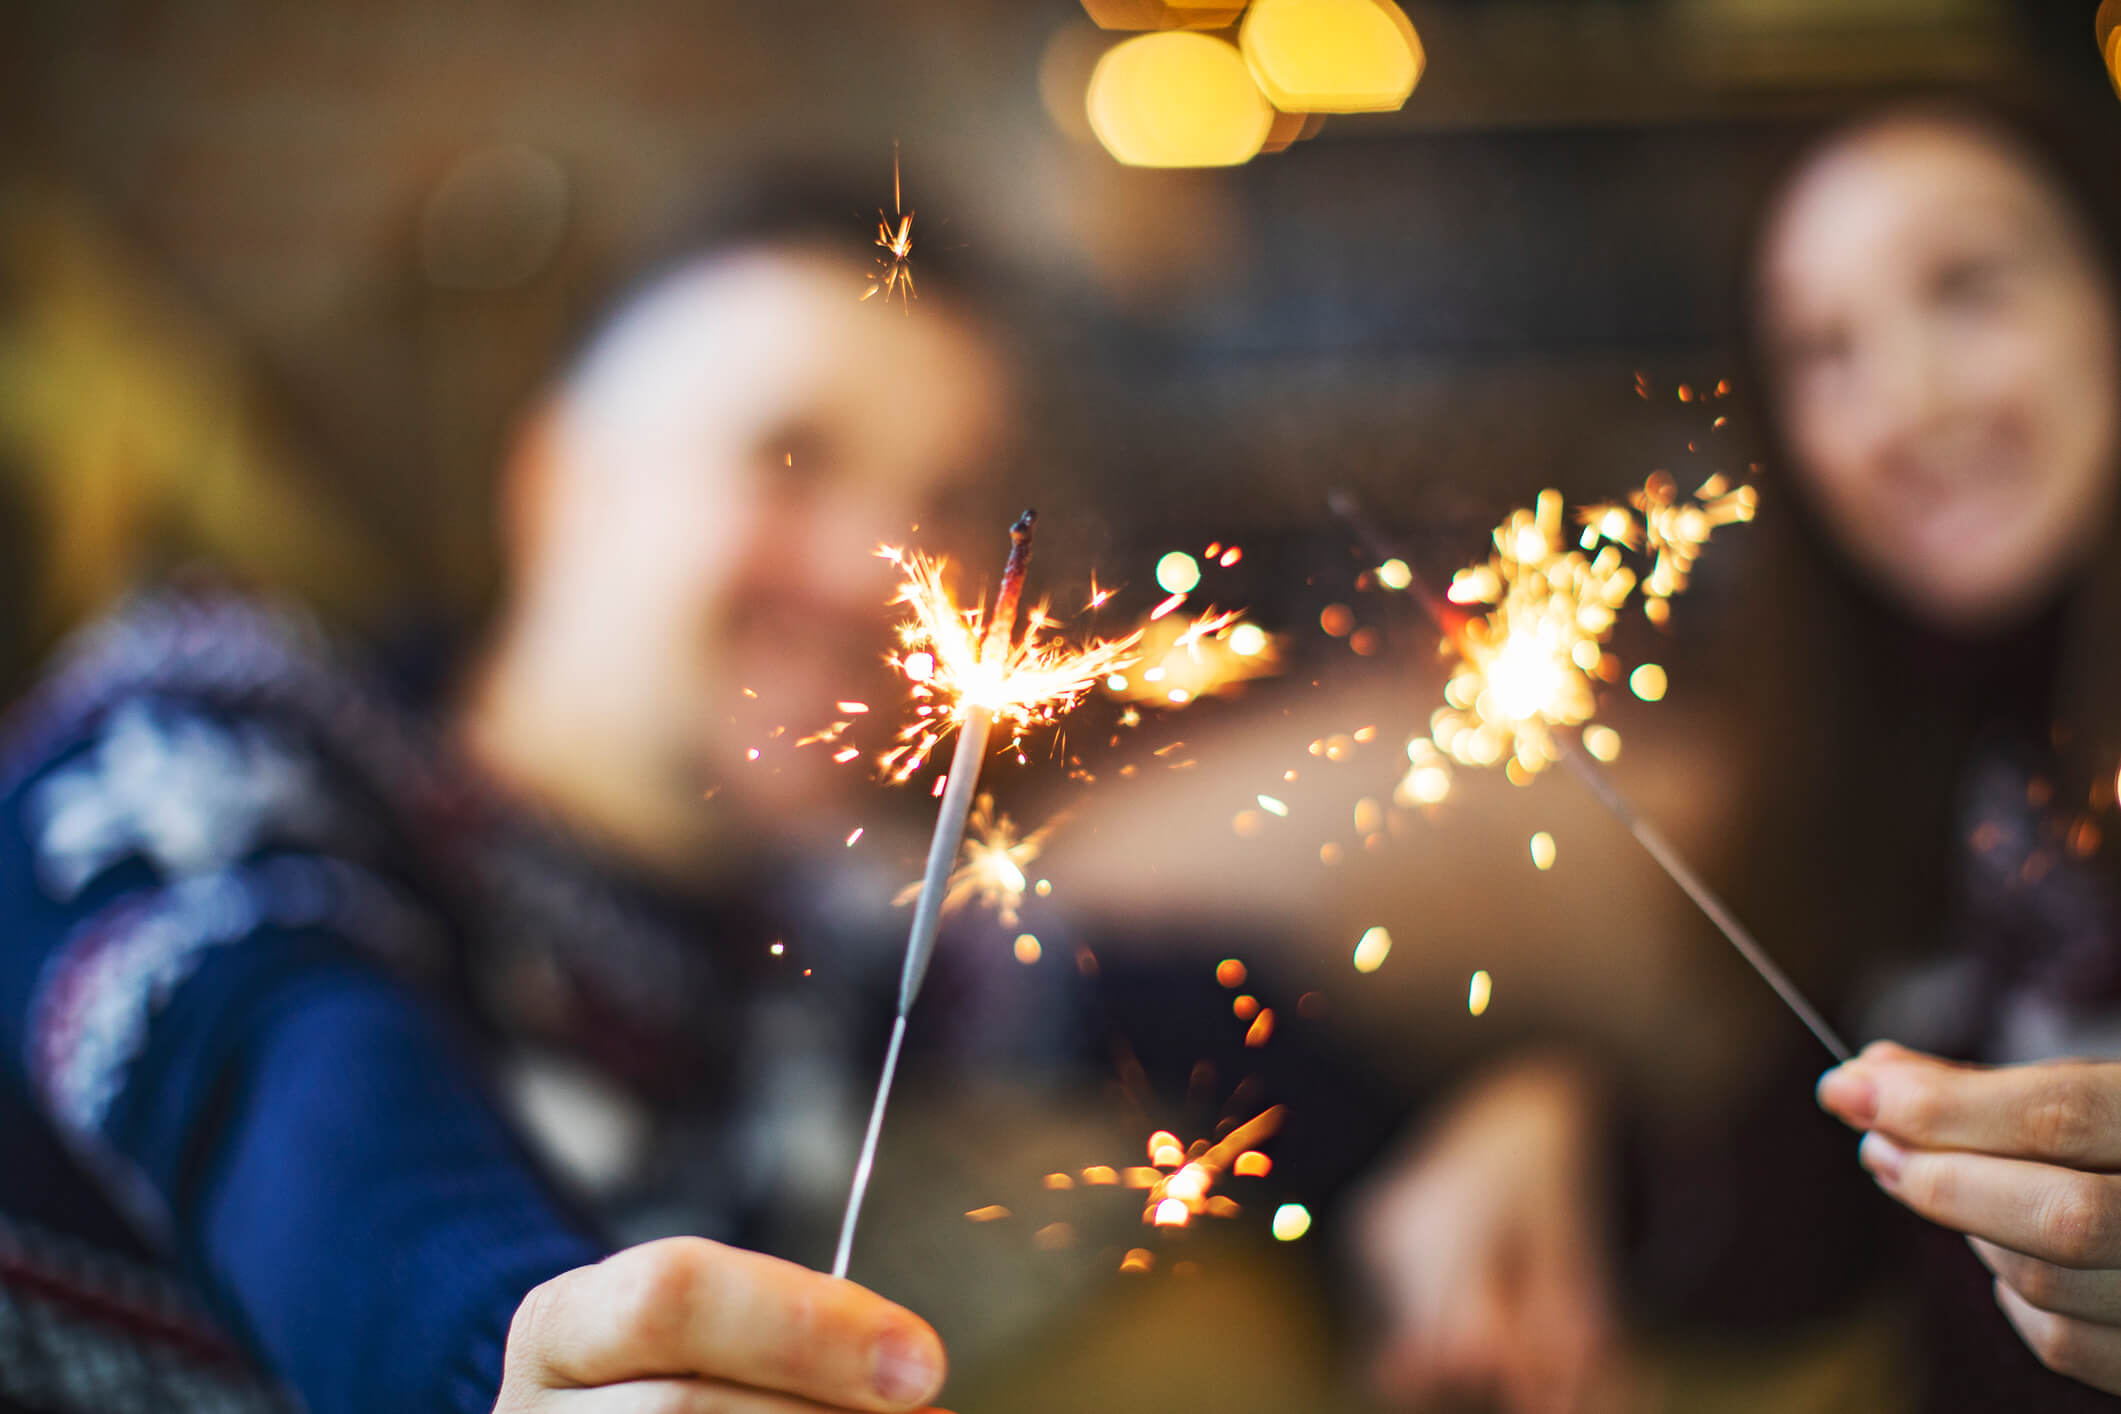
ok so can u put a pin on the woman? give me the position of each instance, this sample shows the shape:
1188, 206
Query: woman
1937, 334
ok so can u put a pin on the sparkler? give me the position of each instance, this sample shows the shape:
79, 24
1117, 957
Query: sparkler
1529, 666
969, 672
897, 245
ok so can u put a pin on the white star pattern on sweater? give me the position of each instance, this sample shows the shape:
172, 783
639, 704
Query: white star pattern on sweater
179, 790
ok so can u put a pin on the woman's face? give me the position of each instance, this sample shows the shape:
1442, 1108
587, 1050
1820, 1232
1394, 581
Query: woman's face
1943, 344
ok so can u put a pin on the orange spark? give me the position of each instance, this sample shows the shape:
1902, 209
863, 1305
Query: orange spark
896, 274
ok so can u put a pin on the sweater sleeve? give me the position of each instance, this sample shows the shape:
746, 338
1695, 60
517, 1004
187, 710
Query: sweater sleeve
201, 984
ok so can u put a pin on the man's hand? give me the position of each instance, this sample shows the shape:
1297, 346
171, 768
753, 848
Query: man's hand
687, 1326
1489, 1251
2023, 1159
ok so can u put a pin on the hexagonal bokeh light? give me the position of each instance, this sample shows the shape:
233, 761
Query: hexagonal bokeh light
1179, 97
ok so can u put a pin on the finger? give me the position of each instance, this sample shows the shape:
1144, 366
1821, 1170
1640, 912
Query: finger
2061, 1112
2079, 1349
685, 1306
2089, 1296
684, 1397
2058, 1215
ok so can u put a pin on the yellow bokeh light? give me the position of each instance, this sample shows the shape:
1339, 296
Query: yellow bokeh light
1177, 573
1542, 851
1291, 1221
1648, 682
1248, 640
1478, 992
1395, 574
1372, 950
1177, 99
1028, 950
1601, 741
1332, 56
1163, 14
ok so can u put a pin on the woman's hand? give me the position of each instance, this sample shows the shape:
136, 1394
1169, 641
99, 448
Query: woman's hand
1488, 1249
2023, 1160
688, 1326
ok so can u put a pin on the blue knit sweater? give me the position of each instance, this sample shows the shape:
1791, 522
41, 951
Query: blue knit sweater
241, 1140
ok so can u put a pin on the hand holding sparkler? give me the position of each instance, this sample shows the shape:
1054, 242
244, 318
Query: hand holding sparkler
969, 670
684, 1323
2023, 1160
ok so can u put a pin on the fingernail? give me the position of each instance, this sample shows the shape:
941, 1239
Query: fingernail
1882, 1157
907, 1369
1850, 1094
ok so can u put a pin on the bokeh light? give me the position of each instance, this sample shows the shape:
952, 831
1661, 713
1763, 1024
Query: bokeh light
1177, 99
1331, 56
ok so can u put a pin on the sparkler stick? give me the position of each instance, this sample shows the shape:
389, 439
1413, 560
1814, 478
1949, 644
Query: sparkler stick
1452, 623
949, 836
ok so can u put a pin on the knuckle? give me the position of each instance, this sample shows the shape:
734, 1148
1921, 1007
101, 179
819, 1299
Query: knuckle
530, 1327
2066, 1119
2042, 1283
661, 1292
2059, 1343
1926, 1182
807, 1329
2079, 1220
1917, 1109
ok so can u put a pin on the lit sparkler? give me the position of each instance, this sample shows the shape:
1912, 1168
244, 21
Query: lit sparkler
1529, 667
958, 666
1531, 664
896, 241
969, 670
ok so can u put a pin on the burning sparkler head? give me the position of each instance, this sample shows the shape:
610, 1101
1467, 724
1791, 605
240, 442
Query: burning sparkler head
958, 658
1532, 663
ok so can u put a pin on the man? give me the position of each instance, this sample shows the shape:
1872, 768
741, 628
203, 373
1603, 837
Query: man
251, 903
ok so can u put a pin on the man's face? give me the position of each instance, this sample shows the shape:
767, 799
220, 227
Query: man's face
722, 470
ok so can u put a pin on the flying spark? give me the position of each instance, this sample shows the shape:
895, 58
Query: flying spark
896, 242
992, 873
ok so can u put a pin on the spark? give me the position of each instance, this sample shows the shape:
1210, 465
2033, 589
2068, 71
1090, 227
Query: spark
992, 873
1672, 529
944, 653
1192, 1186
896, 243
1530, 665
1565, 602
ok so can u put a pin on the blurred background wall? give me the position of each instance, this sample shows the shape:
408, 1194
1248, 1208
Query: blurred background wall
277, 278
